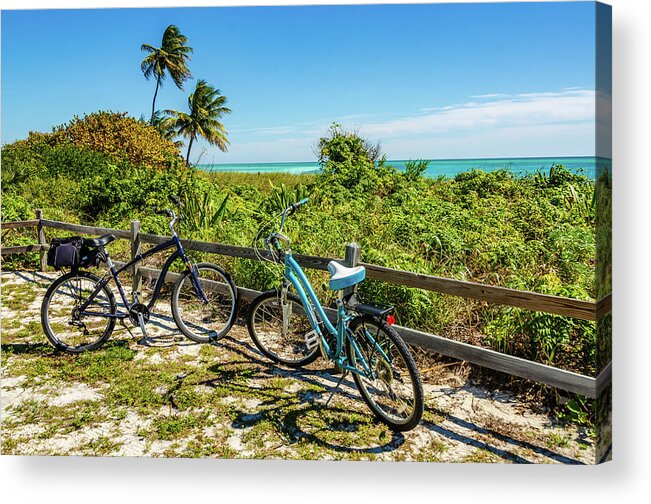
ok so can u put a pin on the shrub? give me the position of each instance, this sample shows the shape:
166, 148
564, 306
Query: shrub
15, 208
350, 160
117, 135
415, 169
530, 233
19, 164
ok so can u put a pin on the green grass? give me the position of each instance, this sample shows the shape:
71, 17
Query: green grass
262, 181
17, 297
184, 403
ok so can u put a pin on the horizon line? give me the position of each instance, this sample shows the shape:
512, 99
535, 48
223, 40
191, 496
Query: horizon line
419, 159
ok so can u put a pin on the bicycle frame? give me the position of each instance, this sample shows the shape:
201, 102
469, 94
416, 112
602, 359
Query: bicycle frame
114, 275
295, 275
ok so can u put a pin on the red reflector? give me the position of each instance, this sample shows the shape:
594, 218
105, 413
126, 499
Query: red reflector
391, 319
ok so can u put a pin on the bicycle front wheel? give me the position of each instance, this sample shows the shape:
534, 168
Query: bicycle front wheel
209, 319
278, 326
69, 329
388, 379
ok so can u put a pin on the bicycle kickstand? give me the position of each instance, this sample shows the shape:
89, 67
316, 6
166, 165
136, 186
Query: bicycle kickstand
145, 340
343, 375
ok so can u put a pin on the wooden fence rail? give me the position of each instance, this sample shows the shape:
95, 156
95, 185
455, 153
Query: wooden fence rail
541, 373
533, 301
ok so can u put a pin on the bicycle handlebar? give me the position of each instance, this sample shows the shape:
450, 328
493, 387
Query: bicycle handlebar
290, 210
294, 206
272, 239
170, 214
176, 201
165, 211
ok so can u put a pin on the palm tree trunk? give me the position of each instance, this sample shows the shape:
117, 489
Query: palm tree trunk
153, 103
187, 158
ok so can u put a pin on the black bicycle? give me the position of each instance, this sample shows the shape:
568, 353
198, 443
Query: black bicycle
79, 309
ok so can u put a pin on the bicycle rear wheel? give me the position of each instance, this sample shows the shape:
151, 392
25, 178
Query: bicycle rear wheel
278, 329
205, 320
65, 327
393, 391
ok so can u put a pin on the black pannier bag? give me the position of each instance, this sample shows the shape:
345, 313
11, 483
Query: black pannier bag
89, 256
65, 252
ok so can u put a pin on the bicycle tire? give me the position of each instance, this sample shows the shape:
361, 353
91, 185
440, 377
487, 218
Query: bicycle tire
61, 325
197, 320
290, 349
379, 394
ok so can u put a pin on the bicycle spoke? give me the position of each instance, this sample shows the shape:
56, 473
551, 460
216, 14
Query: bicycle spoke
65, 326
390, 389
207, 317
281, 339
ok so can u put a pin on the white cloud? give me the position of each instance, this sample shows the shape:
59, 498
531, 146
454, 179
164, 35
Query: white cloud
554, 123
526, 109
490, 95
533, 141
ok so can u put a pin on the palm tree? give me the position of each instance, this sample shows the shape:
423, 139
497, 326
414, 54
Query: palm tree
207, 106
170, 58
164, 126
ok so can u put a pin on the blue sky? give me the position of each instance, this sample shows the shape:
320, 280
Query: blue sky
428, 81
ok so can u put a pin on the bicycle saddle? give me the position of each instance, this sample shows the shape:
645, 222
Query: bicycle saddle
342, 276
99, 242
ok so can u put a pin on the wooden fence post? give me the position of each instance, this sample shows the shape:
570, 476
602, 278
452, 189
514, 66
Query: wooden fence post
353, 253
135, 250
40, 232
352, 257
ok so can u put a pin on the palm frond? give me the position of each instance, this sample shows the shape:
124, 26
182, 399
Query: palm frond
170, 58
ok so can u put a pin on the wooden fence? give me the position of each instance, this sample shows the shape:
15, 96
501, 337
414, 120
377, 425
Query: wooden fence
516, 366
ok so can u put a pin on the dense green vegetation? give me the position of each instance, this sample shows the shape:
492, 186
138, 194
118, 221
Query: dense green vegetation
533, 233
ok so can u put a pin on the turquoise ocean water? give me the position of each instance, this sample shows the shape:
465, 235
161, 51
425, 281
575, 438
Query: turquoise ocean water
437, 167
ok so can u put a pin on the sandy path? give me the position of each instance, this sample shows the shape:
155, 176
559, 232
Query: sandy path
242, 407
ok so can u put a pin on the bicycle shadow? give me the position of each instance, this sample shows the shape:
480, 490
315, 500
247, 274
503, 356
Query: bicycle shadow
34, 277
314, 377
291, 412
42, 349
314, 402
336, 422
48, 351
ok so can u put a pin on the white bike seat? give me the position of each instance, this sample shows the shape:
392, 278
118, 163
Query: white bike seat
342, 277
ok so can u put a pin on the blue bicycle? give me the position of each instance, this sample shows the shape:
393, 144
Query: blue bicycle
293, 329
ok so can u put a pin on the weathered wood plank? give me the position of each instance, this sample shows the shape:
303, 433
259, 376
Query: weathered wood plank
499, 295
242, 293
20, 224
22, 249
604, 306
40, 235
89, 230
604, 379
235, 251
484, 357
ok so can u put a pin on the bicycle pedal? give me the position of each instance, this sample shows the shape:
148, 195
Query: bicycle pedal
311, 339
146, 341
